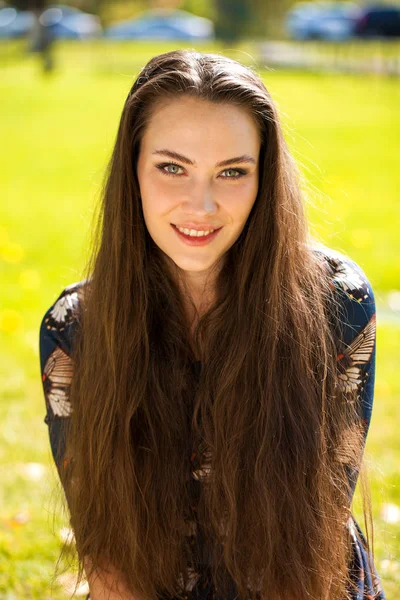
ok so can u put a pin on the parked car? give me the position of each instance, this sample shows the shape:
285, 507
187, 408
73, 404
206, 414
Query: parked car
379, 21
334, 21
163, 24
15, 23
62, 22
67, 22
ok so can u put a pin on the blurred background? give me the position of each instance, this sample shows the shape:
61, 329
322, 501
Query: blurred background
333, 69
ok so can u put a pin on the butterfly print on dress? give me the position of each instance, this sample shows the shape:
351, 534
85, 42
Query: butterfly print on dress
57, 376
64, 309
350, 280
358, 354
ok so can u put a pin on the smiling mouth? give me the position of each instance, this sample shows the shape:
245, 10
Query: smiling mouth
192, 238
198, 232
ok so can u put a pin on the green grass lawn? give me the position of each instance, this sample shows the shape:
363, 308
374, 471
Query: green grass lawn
57, 133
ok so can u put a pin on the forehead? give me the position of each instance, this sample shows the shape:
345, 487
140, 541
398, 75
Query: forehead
192, 123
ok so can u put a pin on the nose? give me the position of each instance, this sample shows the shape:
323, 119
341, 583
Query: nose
200, 202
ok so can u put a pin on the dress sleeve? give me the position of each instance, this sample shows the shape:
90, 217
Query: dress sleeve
356, 364
356, 341
55, 344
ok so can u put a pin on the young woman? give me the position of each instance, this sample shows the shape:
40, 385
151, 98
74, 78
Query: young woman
209, 384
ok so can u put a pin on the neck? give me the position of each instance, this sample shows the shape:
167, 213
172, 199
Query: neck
199, 293
199, 287
196, 302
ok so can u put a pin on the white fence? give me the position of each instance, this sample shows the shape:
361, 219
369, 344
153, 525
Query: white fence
378, 56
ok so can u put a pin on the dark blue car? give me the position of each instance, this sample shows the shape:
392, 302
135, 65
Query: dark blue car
382, 20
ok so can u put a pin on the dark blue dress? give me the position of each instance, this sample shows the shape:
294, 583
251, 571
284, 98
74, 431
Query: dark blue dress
356, 364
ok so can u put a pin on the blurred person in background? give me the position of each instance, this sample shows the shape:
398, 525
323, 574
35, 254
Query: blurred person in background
40, 38
209, 384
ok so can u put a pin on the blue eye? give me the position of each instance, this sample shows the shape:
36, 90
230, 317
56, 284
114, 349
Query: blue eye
237, 173
173, 169
169, 168
176, 171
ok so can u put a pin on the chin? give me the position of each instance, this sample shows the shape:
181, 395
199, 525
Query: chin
194, 266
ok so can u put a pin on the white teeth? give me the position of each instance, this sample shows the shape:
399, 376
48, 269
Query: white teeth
193, 232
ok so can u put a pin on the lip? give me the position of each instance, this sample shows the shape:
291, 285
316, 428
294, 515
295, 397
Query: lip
196, 241
196, 226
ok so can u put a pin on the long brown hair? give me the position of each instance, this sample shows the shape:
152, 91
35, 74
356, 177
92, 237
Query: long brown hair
266, 404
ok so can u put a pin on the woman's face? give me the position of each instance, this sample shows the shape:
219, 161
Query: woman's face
198, 170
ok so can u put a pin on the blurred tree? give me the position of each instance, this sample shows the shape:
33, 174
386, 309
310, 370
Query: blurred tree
232, 19
268, 17
125, 9
30, 4
118, 10
237, 19
202, 8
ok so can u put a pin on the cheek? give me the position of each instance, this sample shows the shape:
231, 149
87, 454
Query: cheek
239, 199
157, 199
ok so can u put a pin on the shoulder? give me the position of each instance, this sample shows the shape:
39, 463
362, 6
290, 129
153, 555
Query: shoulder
354, 296
60, 320
65, 308
346, 276
56, 340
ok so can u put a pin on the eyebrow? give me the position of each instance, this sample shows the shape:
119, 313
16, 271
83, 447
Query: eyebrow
245, 158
